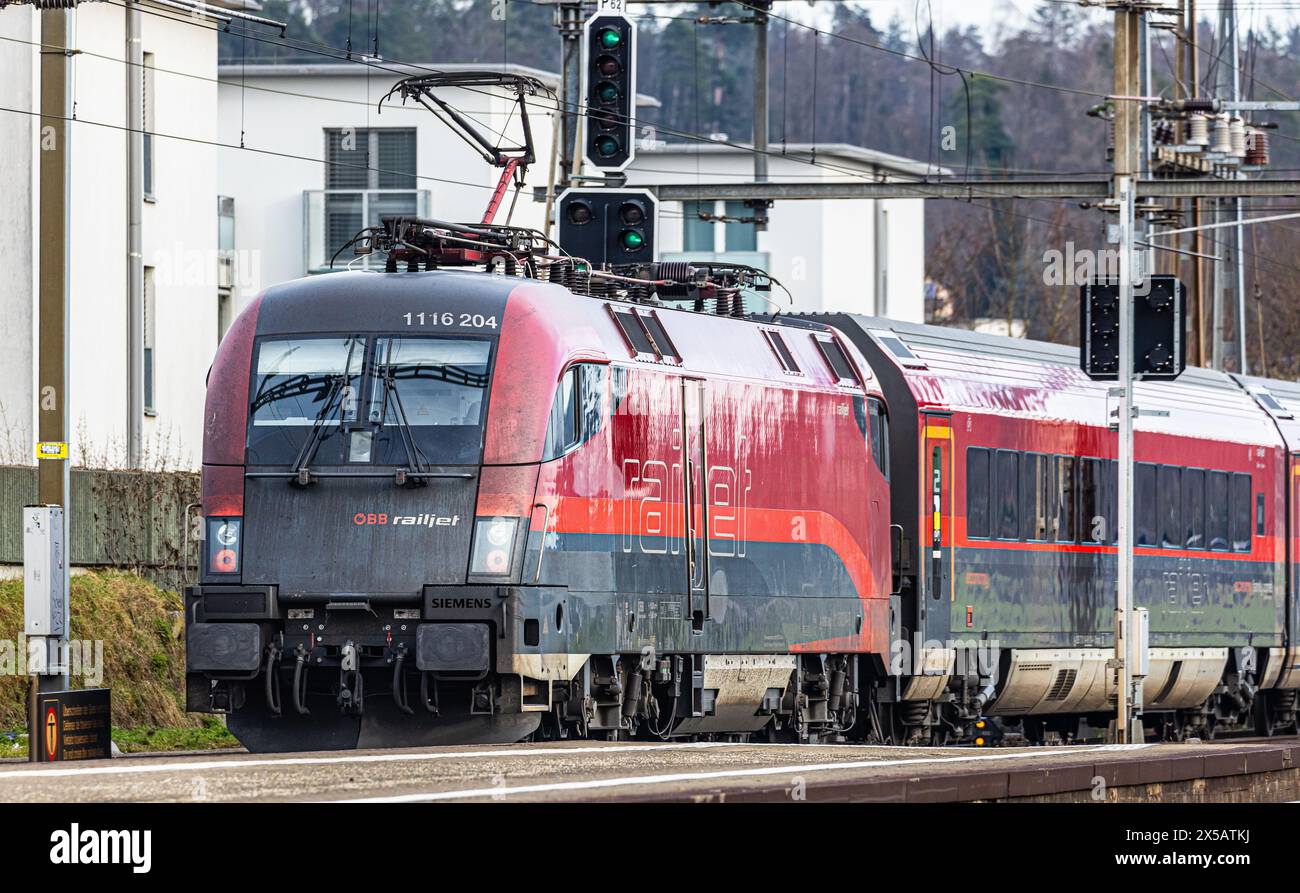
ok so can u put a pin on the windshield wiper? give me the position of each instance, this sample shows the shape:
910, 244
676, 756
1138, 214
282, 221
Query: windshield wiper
338, 385
301, 475
415, 460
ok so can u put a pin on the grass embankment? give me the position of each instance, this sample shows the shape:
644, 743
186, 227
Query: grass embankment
142, 630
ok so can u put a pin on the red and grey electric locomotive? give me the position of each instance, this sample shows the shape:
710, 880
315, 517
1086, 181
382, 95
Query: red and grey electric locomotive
461, 506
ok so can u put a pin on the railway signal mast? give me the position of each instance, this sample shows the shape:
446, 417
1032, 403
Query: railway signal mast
609, 92
609, 224
1129, 120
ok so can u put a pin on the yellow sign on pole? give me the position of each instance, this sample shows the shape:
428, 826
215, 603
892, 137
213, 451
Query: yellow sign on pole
52, 449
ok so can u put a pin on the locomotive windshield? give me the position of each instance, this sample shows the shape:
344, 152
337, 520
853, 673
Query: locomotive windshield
389, 401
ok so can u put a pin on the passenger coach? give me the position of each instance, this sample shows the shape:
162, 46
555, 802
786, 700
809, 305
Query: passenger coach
1005, 487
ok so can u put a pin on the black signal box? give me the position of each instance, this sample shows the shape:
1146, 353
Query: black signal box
608, 226
1159, 317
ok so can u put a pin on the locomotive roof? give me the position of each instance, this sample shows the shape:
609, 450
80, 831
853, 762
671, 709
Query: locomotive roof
370, 301
973, 371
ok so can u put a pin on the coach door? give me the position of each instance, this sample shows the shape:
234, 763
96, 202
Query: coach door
937, 533
1292, 547
694, 463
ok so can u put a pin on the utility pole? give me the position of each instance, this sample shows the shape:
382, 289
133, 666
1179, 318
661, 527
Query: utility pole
1128, 141
52, 344
761, 19
1229, 274
570, 25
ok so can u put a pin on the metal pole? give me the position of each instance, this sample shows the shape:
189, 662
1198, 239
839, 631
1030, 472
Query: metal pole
1124, 589
1225, 273
134, 228
1220, 262
1128, 142
570, 88
1198, 296
1239, 267
760, 94
759, 207
52, 338
1240, 288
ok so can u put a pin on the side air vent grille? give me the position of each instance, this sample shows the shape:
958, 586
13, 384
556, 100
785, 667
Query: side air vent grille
1033, 668
1061, 687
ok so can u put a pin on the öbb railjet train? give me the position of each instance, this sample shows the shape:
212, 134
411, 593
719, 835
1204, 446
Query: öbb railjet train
457, 506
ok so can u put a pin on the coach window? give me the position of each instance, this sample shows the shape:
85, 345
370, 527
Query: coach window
1111, 504
1216, 505
1063, 499
1259, 514
1169, 499
1035, 493
879, 425
1092, 519
1194, 508
1144, 504
977, 492
1008, 495
1240, 514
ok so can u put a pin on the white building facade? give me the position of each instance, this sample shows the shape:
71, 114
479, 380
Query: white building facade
254, 175
335, 162
180, 292
294, 210
850, 255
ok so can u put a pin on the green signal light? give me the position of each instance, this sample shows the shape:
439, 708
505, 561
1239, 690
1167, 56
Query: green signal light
609, 38
606, 146
606, 91
631, 239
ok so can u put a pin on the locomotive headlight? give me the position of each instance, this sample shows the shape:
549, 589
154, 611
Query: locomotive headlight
225, 536
494, 546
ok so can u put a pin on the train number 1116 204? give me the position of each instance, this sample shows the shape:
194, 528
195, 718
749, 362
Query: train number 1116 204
449, 319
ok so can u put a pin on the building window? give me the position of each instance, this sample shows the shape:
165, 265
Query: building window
369, 174
224, 315
147, 125
150, 328
740, 236
697, 234
225, 263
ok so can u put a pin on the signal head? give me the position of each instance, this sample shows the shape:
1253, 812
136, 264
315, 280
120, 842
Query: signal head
606, 146
609, 38
608, 66
579, 213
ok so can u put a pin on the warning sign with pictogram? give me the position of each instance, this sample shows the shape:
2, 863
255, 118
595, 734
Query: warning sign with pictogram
74, 725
